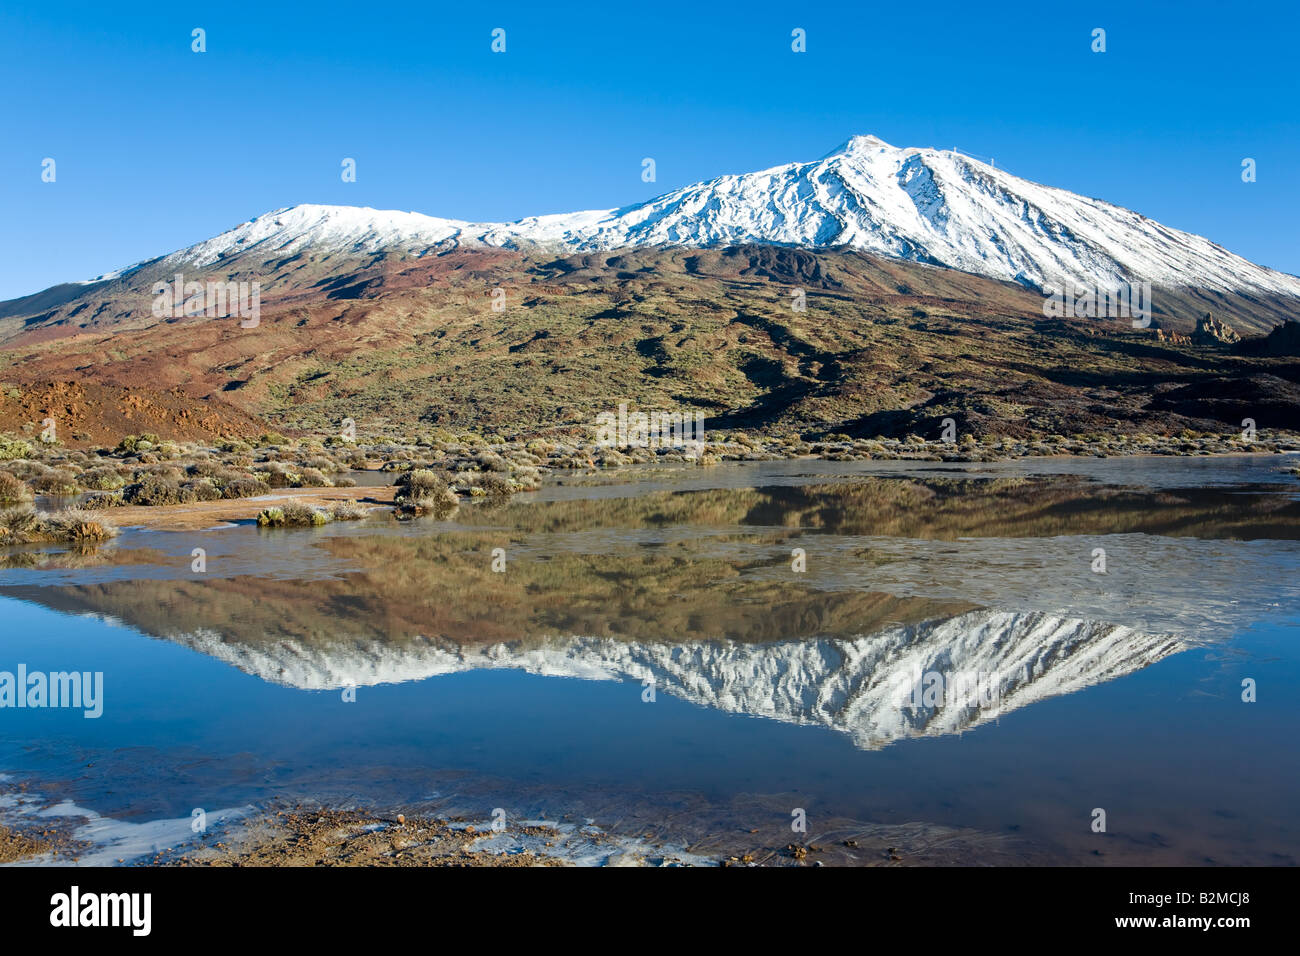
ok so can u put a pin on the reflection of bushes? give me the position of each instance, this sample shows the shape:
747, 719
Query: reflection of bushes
441, 506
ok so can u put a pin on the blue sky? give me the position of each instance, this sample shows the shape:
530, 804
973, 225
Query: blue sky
158, 147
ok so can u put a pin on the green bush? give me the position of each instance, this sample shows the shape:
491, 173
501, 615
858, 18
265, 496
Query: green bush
271, 518
11, 448
101, 479
154, 489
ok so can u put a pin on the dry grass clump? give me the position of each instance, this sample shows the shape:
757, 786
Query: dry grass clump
201, 489
420, 483
491, 485
24, 525
323, 463
348, 511
243, 486
55, 481
424, 492
294, 515
104, 478
154, 489
279, 475
106, 499
313, 478
13, 490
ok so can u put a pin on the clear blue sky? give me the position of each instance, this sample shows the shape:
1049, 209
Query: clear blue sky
158, 147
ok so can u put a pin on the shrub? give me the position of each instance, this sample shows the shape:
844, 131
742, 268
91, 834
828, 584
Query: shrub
22, 468
134, 444
348, 511
271, 518
23, 525
101, 479
56, 481
294, 515
154, 489
76, 525
420, 483
494, 485
11, 448
13, 490
109, 499
527, 479
279, 475
17, 525
300, 515
322, 463
200, 489
244, 486
313, 478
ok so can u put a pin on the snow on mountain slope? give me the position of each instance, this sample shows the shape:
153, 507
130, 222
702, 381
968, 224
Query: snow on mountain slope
353, 229
860, 686
925, 205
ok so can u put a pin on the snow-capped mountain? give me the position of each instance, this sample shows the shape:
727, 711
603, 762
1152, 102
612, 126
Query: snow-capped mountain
862, 686
930, 206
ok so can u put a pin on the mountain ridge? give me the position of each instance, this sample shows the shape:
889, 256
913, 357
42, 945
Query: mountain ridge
937, 207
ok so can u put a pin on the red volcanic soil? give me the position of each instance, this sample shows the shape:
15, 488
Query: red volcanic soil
90, 414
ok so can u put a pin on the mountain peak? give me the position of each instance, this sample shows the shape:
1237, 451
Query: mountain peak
858, 144
925, 205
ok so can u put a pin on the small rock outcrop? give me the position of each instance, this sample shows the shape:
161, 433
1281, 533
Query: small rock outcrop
1283, 340
1210, 331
